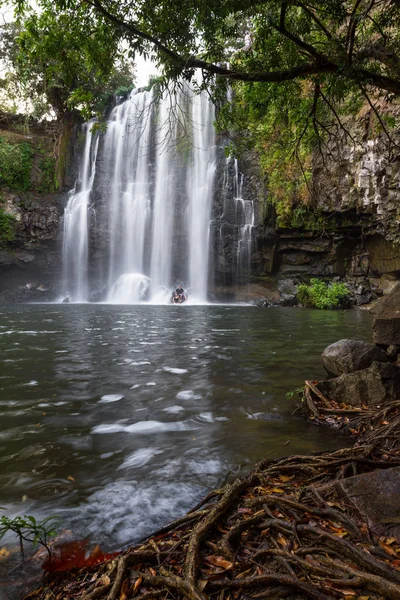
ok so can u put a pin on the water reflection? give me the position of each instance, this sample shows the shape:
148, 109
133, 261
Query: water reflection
119, 418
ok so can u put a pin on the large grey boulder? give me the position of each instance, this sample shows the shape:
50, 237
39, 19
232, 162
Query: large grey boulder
377, 496
347, 356
378, 384
386, 319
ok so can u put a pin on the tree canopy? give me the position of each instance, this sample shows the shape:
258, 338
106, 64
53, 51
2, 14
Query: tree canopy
62, 61
295, 67
355, 39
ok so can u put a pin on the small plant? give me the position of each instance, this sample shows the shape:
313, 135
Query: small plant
296, 392
29, 530
321, 295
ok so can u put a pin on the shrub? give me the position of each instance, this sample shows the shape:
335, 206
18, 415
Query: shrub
322, 295
15, 164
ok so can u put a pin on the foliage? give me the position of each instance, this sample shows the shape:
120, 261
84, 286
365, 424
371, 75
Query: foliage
48, 178
295, 393
7, 222
321, 295
294, 68
301, 65
64, 61
15, 164
28, 529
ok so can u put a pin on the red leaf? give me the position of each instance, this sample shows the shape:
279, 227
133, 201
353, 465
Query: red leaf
74, 555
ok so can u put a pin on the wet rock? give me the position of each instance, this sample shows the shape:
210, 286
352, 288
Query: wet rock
364, 298
378, 384
287, 300
377, 496
392, 352
6, 258
287, 286
386, 319
25, 257
42, 288
347, 356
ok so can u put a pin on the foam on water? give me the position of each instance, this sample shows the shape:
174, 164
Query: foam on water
175, 370
144, 427
110, 398
140, 458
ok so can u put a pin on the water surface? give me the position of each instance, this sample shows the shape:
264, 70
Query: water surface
119, 418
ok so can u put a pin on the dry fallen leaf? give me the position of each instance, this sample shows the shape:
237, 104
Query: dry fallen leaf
202, 584
278, 490
137, 585
282, 541
285, 478
4, 553
105, 580
219, 561
388, 549
243, 573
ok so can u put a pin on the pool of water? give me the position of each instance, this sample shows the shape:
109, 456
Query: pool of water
119, 418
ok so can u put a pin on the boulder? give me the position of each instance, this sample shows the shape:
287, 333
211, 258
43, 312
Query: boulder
347, 356
287, 300
377, 496
378, 384
386, 319
287, 286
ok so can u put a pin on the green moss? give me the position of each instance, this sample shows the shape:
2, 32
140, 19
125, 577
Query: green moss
7, 228
61, 162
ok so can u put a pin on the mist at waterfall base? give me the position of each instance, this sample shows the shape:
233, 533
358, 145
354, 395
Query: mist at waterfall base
139, 218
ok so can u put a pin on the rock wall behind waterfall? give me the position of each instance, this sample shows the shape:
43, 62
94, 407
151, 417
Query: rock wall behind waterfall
355, 231
30, 261
357, 197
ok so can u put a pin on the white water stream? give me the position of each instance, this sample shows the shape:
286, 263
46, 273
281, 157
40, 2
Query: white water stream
149, 181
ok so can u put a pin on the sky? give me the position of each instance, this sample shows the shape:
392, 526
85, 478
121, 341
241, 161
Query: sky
144, 68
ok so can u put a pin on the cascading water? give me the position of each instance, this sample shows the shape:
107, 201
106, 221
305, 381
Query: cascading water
76, 225
244, 216
151, 181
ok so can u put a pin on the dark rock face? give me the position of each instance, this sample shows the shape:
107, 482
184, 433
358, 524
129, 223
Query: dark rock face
386, 319
347, 356
377, 496
374, 386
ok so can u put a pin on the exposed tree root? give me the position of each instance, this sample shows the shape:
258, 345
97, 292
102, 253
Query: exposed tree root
272, 534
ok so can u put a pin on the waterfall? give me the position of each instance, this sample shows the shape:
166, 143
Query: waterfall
150, 179
76, 224
200, 182
245, 218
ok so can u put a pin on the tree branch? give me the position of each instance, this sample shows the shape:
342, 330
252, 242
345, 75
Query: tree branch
321, 65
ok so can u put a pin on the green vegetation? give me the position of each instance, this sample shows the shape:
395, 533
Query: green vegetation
47, 168
322, 295
15, 164
29, 530
62, 62
7, 223
295, 393
295, 68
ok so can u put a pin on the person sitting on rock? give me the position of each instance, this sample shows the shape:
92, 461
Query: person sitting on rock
181, 293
